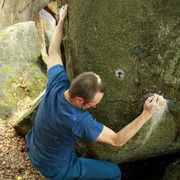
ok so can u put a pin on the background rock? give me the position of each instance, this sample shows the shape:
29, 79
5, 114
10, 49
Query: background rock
26, 121
134, 47
172, 171
14, 11
21, 67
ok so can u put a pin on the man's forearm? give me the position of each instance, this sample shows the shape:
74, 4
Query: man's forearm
132, 128
54, 48
56, 38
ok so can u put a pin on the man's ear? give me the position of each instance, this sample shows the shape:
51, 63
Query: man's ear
79, 99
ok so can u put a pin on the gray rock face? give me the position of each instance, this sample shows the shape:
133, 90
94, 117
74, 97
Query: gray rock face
134, 47
21, 66
14, 11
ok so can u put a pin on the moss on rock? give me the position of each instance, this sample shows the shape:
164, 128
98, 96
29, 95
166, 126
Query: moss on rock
22, 70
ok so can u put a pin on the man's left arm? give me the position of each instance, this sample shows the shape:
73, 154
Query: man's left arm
151, 106
54, 48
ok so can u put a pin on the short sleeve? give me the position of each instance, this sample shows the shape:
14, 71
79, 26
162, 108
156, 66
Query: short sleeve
56, 74
88, 128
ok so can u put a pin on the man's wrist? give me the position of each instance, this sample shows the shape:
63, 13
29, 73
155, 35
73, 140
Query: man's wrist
146, 115
62, 20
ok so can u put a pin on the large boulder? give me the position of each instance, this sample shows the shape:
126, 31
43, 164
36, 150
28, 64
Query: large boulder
14, 11
134, 47
23, 72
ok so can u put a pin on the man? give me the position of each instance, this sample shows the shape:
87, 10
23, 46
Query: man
62, 119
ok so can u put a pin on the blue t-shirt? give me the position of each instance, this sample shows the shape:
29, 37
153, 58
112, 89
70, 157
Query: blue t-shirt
58, 124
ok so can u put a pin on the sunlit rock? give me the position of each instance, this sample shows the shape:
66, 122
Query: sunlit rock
12, 12
21, 66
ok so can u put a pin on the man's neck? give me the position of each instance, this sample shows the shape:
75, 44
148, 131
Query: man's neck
68, 98
73, 102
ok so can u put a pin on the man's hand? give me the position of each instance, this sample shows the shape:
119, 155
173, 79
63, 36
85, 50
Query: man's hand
63, 13
154, 104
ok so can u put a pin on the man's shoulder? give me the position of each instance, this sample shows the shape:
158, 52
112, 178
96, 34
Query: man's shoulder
57, 74
56, 70
84, 117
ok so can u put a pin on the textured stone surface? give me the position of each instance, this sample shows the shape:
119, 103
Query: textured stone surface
14, 11
137, 41
172, 171
21, 67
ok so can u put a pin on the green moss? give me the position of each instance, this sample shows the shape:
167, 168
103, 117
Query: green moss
1, 37
12, 91
35, 81
10, 97
7, 70
31, 83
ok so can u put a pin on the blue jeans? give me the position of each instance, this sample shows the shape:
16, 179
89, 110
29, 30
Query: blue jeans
80, 169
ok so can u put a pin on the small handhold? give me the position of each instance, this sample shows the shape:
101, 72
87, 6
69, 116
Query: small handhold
120, 74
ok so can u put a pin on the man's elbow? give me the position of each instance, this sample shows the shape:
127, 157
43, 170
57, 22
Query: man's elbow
51, 51
119, 142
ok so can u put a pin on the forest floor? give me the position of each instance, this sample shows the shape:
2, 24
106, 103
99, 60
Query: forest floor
14, 161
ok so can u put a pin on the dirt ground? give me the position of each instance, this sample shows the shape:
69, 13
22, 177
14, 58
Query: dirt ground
14, 161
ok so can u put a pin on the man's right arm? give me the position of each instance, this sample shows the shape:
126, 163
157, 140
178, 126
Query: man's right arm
151, 106
54, 48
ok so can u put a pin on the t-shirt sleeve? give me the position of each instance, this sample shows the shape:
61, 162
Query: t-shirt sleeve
88, 128
56, 74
